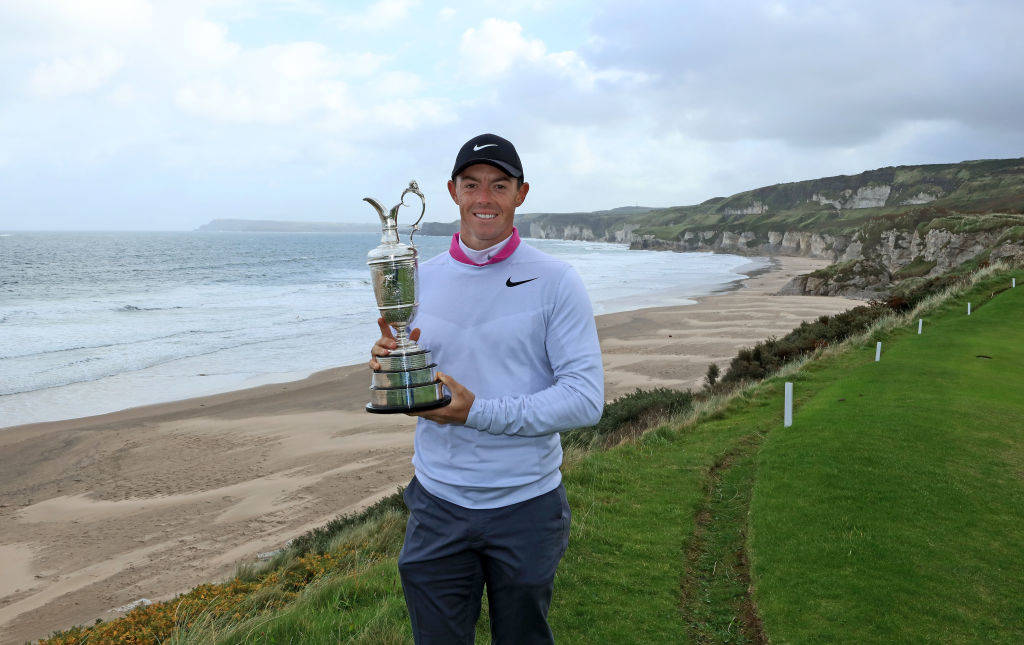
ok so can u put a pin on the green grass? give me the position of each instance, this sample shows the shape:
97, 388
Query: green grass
1012, 234
716, 603
633, 511
919, 267
887, 568
892, 510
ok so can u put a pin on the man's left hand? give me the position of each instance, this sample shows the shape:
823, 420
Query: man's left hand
455, 412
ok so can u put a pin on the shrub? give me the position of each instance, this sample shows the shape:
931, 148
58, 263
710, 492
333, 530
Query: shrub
711, 378
756, 362
629, 415
769, 355
318, 540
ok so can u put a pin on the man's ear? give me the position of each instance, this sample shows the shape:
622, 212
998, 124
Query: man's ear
521, 194
451, 190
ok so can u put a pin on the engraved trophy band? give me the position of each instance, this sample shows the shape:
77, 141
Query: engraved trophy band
406, 381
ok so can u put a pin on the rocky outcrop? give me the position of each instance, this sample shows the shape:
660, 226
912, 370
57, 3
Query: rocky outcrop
869, 272
757, 208
853, 279
864, 197
815, 245
920, 198
862, 268
945, 248
578, 232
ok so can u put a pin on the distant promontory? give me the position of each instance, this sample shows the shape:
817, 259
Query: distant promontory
277, 226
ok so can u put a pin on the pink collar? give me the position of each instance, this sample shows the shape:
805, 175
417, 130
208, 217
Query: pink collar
456, 251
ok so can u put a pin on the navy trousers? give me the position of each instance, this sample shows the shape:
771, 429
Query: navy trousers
451, 552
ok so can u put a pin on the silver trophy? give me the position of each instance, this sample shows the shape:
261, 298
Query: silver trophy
406, 381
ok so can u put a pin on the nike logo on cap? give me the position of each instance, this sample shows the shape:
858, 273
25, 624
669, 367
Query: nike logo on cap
486, 145
509, 283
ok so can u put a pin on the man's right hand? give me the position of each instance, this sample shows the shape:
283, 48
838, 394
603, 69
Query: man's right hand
386, 342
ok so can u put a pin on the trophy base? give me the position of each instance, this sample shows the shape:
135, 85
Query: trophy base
440, 403
406, 382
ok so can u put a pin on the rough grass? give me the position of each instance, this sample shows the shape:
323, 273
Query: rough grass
919, 267
630, 415
891, 511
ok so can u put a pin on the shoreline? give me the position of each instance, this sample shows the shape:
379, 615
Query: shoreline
98, 512
188, 376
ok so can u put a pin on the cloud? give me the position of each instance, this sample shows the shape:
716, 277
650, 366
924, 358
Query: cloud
379, 15
208, 41
497, 46
265, 109
62, 76
817, 73
309, 84
105, 17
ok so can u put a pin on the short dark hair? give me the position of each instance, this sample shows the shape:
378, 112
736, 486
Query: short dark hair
519, 180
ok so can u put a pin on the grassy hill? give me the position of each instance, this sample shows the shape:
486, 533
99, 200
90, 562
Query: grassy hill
880, 227
889, 512
837, 205
844, 203
601, 222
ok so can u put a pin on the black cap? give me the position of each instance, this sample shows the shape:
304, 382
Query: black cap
489, 149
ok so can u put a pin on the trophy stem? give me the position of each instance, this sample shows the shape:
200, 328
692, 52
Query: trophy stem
402, 339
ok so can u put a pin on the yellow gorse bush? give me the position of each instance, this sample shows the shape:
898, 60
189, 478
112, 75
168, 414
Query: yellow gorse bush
156, 622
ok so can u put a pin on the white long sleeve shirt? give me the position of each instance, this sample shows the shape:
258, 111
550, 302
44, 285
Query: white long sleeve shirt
519, 333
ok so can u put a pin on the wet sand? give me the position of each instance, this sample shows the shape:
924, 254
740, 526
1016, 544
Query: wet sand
96, 513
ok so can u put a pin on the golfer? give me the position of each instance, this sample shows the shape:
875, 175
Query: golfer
514, 332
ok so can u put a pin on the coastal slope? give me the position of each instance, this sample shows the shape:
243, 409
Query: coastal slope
149, 502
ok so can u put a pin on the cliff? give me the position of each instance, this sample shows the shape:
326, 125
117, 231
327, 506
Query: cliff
881, 228
870, 262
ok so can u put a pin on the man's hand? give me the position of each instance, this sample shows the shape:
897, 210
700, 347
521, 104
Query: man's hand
455, 412
386, 343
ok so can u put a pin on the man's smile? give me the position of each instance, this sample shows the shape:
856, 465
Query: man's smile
486, 215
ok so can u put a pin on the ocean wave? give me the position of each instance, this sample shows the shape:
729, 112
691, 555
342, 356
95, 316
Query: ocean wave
140, 364
140, 341
350, 284
134, 308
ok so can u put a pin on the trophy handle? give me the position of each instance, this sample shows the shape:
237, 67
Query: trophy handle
414, 188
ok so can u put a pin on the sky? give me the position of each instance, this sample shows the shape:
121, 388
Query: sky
163, 115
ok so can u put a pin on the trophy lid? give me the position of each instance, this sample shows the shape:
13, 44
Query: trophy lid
389, 218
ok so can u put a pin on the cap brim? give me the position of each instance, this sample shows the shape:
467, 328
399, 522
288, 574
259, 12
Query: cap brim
500, 165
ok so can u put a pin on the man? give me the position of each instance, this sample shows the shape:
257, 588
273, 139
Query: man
486, 505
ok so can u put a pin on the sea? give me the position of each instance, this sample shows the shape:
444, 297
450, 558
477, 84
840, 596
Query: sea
101, 321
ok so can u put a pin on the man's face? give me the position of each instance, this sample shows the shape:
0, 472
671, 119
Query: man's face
487, 200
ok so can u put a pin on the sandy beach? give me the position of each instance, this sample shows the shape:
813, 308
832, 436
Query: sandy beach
99, 512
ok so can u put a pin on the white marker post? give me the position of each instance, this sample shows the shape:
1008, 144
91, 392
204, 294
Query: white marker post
878, 351
1013, 285
787, 415
968, 309
919, 323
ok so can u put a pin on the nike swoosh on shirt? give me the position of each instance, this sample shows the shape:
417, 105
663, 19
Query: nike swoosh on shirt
486, 145
509, 283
